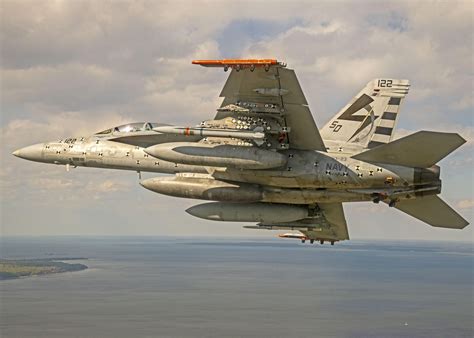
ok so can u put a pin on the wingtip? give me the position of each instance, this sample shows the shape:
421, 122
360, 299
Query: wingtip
461, 139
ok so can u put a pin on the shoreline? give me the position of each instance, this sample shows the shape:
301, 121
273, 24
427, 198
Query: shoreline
23, 268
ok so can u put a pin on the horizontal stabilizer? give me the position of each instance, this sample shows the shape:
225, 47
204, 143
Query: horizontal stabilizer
434, 211
422, 149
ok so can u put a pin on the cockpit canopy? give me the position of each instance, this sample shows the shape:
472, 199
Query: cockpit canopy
130, 128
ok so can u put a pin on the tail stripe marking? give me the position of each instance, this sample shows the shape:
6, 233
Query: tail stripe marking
389, 116
395, 101
392, 108
386, 123
381, 138
383, 130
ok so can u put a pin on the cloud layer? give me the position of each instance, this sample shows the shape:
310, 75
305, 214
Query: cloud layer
76, 67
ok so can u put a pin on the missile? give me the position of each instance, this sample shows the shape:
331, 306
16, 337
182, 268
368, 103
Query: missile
209, 132
212, 155
302, 237
248, 212
276, 227
235, 62
203, 187
292, 235
239, 64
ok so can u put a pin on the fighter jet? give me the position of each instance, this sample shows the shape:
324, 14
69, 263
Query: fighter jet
262, 159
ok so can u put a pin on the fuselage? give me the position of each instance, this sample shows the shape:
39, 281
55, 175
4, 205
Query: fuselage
307, 177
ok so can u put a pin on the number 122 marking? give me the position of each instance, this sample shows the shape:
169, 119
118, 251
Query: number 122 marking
385, 83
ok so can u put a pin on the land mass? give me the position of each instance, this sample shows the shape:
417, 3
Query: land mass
10, 269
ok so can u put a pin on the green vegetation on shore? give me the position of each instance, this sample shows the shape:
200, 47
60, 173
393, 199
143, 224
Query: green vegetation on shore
10, 269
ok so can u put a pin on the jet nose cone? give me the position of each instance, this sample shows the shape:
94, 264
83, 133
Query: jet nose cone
32, 153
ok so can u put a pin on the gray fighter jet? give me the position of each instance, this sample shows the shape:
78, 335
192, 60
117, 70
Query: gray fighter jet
263, 160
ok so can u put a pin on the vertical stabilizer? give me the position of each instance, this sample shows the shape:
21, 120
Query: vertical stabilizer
369, 119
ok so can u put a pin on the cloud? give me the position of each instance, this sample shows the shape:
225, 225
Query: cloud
19, 132
71, 68
46, 183
466, 204
333, 55
108, 186
71, 86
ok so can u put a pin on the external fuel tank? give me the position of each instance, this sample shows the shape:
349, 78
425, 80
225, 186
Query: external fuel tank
248, 212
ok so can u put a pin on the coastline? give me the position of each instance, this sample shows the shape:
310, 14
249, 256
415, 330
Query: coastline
23, 268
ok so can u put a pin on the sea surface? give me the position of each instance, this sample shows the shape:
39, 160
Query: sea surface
228, 287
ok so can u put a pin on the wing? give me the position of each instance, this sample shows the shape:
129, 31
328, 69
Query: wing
275, 92
328, 223
337, 226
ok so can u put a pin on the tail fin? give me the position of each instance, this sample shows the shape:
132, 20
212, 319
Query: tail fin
421, 149
434, 211
370, 117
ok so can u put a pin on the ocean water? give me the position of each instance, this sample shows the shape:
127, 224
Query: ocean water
227, 287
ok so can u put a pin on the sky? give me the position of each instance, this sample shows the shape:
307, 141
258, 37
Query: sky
72, 68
